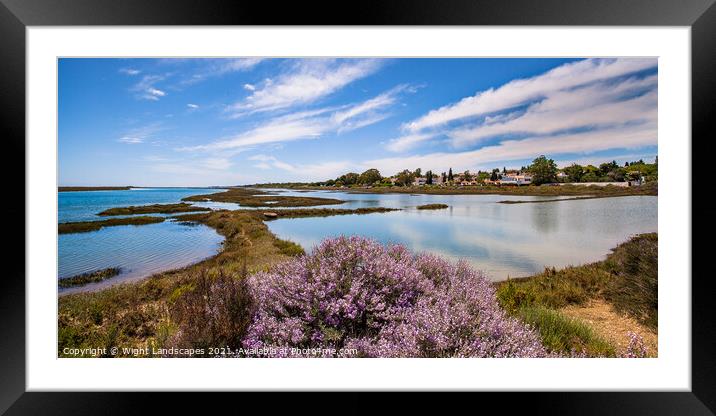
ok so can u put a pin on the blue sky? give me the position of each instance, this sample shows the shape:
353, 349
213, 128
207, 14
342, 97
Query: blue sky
197, 122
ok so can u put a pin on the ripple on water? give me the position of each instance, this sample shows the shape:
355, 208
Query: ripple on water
138, 250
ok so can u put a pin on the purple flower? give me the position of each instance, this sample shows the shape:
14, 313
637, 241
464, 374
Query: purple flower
354, 294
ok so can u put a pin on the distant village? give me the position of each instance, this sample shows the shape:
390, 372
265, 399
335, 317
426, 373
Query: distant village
542, 171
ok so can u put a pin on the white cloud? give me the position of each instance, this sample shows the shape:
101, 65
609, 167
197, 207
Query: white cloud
303, 172
308, 124
219, 67
309, 81
236, 65
140, 134
130, 140
216, 163
406, 142
129, 71
522, 91
592, 106
249, 87
192, 106
145, 89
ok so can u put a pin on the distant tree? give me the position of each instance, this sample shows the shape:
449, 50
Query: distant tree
404, 178
467, 176
418, 173
493, 176
370, 177
444, 176
481, 176
450, 177
605, 168
504, 170
429, 177
349, 178
543, 170
574, 172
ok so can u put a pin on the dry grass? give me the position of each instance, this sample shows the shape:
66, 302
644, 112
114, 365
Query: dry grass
257, 198
153, 209
87, 226
92, 188
432, 206
612, 325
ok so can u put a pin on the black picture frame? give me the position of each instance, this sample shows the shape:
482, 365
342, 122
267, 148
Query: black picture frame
16, 15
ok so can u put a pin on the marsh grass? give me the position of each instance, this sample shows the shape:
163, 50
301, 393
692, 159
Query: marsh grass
87, 226
432, 206
92, 188
328, 212
90, 277
257, 198
153, 209
563, 334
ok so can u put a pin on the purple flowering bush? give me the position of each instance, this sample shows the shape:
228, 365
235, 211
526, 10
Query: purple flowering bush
636, 347
354, 294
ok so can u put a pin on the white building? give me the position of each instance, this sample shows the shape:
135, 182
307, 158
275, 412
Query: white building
515, 179
420, 181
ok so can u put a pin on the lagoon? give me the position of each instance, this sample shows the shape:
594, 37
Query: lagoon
138, 250
503, 240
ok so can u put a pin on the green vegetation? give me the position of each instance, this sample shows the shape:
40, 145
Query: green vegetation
257, 198
634, 289
153, 209
627, 279
560, 333
432, 206
91, 277
92, 188
543, 170
87, 226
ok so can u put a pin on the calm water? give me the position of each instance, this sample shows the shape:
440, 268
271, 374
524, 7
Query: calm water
139, 250
501, 239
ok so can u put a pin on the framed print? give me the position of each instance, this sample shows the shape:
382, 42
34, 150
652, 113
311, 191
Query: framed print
404, 198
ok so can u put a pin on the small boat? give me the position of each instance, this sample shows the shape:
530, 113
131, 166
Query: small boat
270, 215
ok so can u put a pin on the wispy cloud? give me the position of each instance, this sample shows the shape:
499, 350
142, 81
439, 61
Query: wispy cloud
145, 89
141, 134
309, 124
522, 91
192, 106
129, 71
406, 142
307, 82
211, 68
310, 171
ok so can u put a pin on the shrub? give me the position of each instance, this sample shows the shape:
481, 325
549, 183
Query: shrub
634, 289
214, 314
353, 293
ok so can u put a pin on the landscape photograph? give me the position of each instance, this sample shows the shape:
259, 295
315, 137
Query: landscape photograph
373, 207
